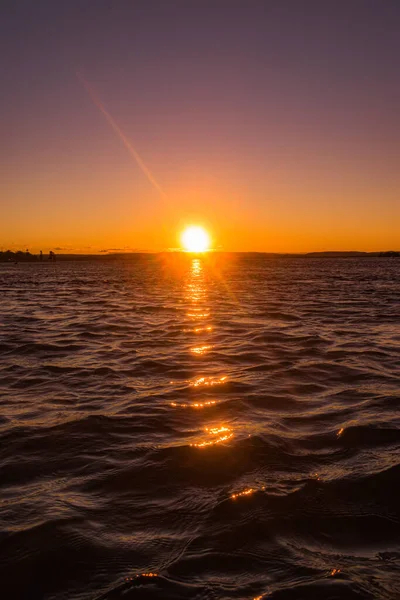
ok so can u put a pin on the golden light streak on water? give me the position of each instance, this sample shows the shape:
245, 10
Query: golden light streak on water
196, 266
215, 431
141, 575
224, 438
246, 492
202, 381
207, 381
200, 349
194, 404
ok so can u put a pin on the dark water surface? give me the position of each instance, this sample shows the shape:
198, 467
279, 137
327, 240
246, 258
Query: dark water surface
229, 423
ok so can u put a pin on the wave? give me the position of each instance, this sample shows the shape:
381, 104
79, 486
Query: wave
194, 428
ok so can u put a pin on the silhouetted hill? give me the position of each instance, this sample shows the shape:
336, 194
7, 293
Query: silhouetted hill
335, 254
341, 253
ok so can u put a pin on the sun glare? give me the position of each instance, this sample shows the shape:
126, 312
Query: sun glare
195, 239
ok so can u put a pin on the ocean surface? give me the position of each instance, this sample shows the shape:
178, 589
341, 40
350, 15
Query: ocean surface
200, 427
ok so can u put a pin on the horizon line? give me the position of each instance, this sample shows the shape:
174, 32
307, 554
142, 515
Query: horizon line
122, 252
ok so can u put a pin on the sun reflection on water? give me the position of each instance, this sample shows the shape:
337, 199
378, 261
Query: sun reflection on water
141, 575
200, 349
208, 381
217, 434
199, 381
196, 266
195, 294
247, 492
216, 430
193, 404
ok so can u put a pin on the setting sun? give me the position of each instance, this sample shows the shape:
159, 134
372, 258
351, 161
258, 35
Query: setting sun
195, 239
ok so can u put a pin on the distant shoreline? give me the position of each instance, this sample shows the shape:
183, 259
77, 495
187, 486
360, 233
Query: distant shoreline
19, 257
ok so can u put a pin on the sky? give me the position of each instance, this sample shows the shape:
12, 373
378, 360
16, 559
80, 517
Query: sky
275, 124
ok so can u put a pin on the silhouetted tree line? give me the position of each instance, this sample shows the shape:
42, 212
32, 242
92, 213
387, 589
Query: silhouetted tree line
20, 256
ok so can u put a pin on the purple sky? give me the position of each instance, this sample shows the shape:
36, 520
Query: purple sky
274, 123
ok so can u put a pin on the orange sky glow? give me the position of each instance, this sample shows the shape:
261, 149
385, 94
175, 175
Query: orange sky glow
138, 124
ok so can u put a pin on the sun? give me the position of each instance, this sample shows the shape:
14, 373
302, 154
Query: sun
195, 239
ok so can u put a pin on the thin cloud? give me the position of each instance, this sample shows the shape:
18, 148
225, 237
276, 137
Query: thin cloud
125, 249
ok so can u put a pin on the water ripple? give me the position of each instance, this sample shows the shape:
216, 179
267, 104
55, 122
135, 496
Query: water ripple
212, 427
